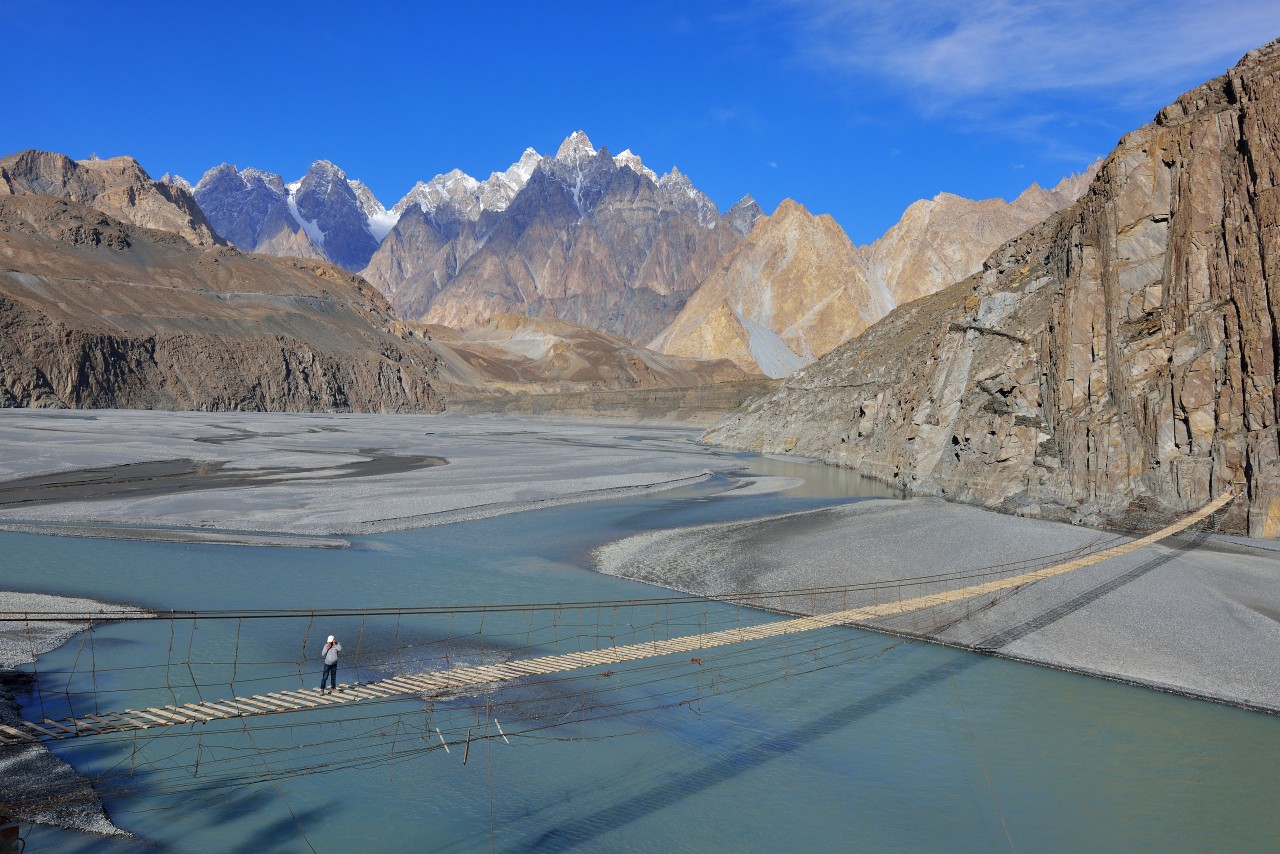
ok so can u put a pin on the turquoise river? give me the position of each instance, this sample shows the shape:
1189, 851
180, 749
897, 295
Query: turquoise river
840, 740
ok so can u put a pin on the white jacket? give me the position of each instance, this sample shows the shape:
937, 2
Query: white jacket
331, 651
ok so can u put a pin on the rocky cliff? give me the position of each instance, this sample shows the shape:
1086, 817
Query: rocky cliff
98, 313
118, 186
1119, 355
798, 287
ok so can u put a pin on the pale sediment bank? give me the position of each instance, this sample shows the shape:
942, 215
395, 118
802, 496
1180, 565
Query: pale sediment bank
176, 535
38, 786
235, 477
1196, 615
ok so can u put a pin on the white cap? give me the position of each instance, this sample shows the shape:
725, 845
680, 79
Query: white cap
330, 639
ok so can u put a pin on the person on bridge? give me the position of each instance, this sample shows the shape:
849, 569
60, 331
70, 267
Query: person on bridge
330, 655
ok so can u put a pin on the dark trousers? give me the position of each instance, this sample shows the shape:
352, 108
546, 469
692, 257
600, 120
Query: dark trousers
331, 674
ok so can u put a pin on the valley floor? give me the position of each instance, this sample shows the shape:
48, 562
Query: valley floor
1199, 616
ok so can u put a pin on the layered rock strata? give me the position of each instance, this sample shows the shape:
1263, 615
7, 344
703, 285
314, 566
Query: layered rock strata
1121, 355
97, 313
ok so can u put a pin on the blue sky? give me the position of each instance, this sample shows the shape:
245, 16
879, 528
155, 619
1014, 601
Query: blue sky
853, 108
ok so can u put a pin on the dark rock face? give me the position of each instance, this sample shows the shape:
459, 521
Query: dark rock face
318, 217
588, 239
325, 198
743, 215
247, 208
96, 313
118, 186
1121, 354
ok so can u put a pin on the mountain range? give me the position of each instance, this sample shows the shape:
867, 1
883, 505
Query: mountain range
603, 242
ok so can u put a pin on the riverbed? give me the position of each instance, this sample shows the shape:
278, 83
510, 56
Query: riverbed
842, 739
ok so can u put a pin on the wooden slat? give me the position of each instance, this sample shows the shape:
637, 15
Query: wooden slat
58, 726
149, 717
16, 734
192, 710
165, 713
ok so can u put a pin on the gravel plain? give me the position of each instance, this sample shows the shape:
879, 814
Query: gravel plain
319, 475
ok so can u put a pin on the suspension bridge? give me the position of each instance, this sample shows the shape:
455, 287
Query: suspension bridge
463, 677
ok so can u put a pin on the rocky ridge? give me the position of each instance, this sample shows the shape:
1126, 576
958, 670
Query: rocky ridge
99, 313
118, 186
797, 287
1117, 357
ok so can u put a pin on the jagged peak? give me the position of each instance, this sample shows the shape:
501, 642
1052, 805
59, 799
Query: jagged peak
575, 146
176, 181
328, 168
790, 208
455, 176
631, 160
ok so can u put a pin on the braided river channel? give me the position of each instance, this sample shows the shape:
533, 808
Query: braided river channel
833, 740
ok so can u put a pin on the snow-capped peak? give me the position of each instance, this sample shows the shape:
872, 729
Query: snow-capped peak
455, 186
176, 181
497, 191
676, 186
326, 167
627, 158
575, 147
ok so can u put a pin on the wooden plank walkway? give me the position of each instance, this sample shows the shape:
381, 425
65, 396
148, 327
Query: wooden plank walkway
282, 702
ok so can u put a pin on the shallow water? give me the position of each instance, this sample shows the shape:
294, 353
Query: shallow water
838, 740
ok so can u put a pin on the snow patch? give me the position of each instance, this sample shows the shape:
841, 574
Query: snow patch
380, 224
313, 231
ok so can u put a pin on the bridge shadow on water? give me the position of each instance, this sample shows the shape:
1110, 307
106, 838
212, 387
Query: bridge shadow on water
748, 758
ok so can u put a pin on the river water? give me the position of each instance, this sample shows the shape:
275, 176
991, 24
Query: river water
838, 740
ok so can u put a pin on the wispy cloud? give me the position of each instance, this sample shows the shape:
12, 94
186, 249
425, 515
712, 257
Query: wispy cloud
743, 117
956, 54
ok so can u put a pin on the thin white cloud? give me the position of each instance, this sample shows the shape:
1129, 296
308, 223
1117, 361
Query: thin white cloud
947, 52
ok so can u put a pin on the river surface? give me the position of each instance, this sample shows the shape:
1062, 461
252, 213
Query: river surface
840, 740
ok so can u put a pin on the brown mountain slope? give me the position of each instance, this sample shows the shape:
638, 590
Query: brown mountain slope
97, 313
540, 355
1119, 355
942, 240
118, 186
